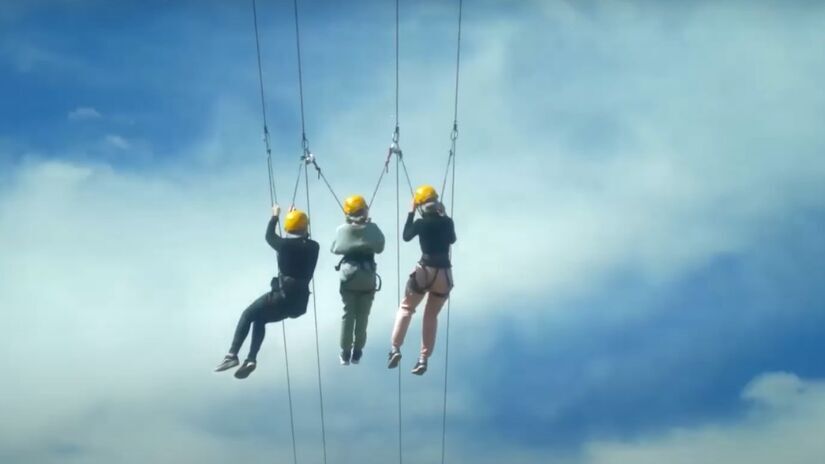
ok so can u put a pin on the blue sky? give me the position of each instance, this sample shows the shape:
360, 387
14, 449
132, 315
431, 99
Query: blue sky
639, 212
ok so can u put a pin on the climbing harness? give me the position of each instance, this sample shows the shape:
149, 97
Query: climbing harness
364, 262
414, 287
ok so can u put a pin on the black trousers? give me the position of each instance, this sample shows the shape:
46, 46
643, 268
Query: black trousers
273, 306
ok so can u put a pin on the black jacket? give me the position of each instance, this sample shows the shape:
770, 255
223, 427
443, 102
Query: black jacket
435, 235
297, 257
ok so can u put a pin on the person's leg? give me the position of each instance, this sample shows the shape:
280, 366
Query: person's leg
430, 324
362, 319
412, 297
241, 331
411, 300
363, 309
350, 300
272, 310
439, 292
245, 321
296, 304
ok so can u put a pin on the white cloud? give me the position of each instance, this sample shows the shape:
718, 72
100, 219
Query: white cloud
26, 58
123, 287
705, 159
786, 426
783, 425
117, 141
83, 113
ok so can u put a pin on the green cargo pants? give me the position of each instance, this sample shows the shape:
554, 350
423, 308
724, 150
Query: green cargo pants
357, 307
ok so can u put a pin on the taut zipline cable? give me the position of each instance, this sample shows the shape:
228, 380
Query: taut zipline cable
273, 199
308, 158
452, 155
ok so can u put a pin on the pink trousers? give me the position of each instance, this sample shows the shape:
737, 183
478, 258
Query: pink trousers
436, 285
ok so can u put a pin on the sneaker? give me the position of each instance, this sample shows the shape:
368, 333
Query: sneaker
356, 355
420, 367
245, 369
344, 357
229, 361
394, 358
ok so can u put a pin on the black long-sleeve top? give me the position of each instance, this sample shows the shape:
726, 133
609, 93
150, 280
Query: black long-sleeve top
435, 235
297, 256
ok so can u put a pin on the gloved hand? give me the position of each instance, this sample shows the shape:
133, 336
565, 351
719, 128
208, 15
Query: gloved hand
276, 210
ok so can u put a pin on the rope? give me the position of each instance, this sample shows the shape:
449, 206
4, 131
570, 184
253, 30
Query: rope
306, 158
399, 160
273, 198
393, 150
317, 339
407, 175
457, 60
454, 133
311, 160
300, 73
289, 393
398, 289
396, 65
385, 169
451, 160
272, 194
447, 334
297, 183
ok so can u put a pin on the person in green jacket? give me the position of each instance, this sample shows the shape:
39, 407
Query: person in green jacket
358, 240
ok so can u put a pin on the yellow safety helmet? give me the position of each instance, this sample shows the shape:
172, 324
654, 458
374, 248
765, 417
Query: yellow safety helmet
354, 205
296, 222
425, 194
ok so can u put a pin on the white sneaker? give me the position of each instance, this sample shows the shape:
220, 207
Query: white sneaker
229, 361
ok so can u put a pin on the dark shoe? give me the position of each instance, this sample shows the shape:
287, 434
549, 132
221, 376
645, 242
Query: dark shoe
344, 357
229, 361
356, 355
420, 367
246, 369
394, 359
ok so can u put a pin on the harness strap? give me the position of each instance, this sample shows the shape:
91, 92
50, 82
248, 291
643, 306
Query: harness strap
362, 265
413, 283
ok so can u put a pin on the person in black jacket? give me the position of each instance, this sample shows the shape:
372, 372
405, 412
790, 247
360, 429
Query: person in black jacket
289, 294
432, 276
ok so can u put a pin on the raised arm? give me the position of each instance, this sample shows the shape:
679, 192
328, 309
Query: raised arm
410, 227
272, 237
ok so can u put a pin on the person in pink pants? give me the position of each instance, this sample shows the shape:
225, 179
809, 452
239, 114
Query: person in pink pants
432, 277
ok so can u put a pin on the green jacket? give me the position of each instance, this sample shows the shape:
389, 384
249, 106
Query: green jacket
358, 244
